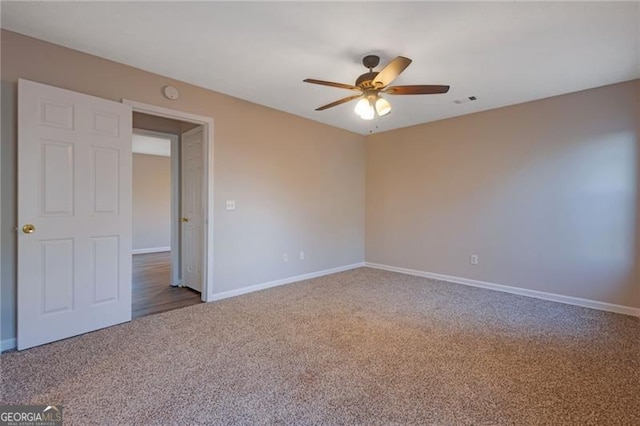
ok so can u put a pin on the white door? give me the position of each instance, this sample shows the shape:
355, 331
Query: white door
74, 213
192, 166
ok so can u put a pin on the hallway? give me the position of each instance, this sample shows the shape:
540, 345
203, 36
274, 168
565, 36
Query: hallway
152, 292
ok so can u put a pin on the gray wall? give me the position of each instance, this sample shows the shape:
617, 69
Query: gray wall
298, 184
544, 192
151, 201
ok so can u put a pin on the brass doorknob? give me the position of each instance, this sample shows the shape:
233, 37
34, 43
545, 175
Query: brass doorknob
185, 219
28, 229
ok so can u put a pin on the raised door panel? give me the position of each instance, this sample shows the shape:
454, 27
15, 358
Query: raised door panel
57, 178
106, 123
106, 180
106, 268
55, 114
57, 258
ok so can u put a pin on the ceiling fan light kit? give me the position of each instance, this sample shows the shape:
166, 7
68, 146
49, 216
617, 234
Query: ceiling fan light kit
368, 107
364, 109
371, 84
383, 107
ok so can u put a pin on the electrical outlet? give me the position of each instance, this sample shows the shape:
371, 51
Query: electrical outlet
231, 204
285, 257
301, 255
473, 259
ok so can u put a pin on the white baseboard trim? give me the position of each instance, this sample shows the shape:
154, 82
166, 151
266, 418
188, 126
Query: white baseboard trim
150, 250
289, 280
7, 344
586, 303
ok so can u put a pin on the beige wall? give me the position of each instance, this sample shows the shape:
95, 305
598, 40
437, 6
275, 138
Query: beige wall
298, 184
151, 201
544, 192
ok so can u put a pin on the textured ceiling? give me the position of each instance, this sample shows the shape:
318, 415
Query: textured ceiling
502, 52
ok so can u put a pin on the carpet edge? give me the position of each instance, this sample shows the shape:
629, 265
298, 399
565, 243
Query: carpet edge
288, 280
553, 297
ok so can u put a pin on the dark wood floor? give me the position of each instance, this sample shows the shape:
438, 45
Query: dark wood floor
152, 290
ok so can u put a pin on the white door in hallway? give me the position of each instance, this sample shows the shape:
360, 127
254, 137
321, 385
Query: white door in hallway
74, 213
193, 230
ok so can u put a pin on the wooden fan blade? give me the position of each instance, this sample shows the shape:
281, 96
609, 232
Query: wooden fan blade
331, 84
420, 89
391, 71
341, 101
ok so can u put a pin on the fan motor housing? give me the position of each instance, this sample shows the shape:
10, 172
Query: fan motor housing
366, 79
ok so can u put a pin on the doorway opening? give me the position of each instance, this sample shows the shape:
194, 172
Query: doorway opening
206, 254
168, 214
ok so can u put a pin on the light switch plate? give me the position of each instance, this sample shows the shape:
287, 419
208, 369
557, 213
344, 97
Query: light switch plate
231, 205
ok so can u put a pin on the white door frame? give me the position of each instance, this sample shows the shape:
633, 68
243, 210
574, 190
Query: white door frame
207, 128
175, 198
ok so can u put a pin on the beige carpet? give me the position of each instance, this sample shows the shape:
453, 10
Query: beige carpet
361, 347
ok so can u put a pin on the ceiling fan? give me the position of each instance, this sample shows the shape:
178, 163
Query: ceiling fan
371, 84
